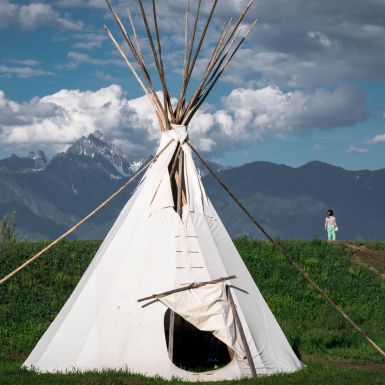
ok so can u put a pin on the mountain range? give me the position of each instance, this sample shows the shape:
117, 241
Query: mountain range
51, 196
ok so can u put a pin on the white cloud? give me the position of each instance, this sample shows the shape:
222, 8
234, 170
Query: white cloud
82, 3
248, 116
104, 76
65, 116
77, 58
7, 12
21, 72
297, 43
88, 41
26, 62
34, 15
380, 138
251, 115
320, 37
356, 150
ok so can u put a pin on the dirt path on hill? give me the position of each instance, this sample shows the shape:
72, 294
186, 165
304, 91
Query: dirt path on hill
372, 259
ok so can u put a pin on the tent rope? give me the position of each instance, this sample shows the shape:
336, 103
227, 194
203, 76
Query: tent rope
291, 260
86, 218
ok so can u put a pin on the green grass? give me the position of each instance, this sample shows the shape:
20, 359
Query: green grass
313, 374
30, 301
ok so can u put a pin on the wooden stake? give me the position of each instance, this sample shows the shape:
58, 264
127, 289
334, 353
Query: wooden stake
291, 260
241, 333
86, 218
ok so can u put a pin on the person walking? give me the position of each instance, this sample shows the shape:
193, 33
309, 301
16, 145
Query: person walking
331, 225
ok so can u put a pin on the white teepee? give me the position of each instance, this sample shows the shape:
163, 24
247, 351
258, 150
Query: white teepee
168, 237
203, 324
151, 249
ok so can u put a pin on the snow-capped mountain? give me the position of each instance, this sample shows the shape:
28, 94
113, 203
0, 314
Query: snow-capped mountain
51, 196
97, 148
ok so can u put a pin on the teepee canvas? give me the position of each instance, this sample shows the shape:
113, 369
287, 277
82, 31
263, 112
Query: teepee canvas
205, 318
150, 249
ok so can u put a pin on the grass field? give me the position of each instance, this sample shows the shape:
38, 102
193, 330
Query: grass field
333, 353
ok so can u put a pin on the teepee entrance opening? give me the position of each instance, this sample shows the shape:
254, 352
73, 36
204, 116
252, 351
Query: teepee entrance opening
195, 350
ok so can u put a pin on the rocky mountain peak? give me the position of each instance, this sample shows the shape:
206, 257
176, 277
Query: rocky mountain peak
37, 156
95, 143
98, 135
96, 146
35, 161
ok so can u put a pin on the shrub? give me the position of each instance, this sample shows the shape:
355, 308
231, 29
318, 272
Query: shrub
8, 227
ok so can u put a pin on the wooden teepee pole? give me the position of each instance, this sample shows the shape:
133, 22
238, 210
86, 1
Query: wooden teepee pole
187, 55
180, 184
137, 54
163, 76
86, 218
216, 65
241, 333
179, 209
211, 64
194, 105
291, 260
166, 98
158, 109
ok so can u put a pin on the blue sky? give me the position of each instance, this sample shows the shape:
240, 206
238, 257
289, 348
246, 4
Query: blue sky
309, 84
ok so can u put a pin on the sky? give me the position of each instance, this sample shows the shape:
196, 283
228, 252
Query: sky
309, 83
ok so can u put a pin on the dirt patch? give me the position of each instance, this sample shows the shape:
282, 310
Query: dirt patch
347, 364
375, 260
18, 355
343, 363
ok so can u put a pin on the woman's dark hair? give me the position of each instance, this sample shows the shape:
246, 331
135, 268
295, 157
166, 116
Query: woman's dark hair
330, 212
